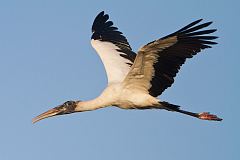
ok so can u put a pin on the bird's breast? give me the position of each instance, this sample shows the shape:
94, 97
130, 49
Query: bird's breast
132, 99
125, 98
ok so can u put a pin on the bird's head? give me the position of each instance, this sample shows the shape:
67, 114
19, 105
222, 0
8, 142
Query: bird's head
65, 108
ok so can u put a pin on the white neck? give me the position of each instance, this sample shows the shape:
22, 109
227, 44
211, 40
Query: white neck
91, 105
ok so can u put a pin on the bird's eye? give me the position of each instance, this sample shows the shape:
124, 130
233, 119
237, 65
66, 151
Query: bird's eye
69, 103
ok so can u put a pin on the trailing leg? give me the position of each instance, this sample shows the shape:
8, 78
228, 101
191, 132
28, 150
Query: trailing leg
203, 115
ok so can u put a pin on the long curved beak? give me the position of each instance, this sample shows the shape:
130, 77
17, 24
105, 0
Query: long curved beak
49, 113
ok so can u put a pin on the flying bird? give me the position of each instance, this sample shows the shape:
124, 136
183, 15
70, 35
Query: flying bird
135, 80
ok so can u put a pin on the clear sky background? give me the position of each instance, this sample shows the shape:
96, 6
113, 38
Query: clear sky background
46, 59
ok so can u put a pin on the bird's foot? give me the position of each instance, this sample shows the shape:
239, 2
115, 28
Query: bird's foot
208, 116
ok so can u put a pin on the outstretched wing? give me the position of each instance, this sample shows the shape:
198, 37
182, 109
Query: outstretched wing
158, 62
112, 47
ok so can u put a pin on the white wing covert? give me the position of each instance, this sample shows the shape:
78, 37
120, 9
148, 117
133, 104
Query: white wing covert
112, 47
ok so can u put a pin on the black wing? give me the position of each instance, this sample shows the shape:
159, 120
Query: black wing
161, 59
112, 47
190, 41
104, 30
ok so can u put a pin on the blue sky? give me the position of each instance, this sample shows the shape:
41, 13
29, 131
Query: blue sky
46, 59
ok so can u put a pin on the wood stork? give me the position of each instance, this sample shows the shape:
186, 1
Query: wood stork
136, 80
